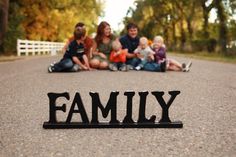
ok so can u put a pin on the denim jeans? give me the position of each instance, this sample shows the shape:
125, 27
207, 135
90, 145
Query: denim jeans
133, 62
152, 66
65, 65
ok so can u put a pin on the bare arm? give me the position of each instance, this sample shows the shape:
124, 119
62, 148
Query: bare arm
65, 47
77, 61
86, 61
131, 55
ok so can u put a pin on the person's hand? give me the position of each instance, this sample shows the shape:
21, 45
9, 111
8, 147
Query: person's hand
139, 55
84, 67
150, 57
91, 69
102, 55
118, 52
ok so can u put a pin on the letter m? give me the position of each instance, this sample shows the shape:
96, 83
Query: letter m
111, 106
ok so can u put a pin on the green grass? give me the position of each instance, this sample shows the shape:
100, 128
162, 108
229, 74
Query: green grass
207, 56
8, 58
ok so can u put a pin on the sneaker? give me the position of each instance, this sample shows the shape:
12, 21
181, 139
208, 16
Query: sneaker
184, 67
75, 68
112, 67
138, 68
50, 69
130, 67
163, 66
124, 68
188, 66
52, 64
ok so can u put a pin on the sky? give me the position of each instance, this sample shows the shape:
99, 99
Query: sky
115, 11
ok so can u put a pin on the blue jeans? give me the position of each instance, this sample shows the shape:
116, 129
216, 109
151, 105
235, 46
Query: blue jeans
152, 66
133, 62
65, 65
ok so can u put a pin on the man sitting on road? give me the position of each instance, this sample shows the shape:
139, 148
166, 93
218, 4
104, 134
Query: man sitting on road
130, 41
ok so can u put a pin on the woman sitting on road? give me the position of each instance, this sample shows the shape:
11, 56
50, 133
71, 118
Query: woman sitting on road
102, 46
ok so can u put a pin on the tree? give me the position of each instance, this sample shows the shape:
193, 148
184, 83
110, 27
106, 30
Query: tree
51, 20
223, 30
206, 8
4, 5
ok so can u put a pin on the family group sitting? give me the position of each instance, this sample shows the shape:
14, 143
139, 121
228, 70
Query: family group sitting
128, 52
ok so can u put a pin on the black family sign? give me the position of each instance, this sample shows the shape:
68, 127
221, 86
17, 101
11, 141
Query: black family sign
111, 107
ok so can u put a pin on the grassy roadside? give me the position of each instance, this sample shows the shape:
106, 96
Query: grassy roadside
8, 58
207, 56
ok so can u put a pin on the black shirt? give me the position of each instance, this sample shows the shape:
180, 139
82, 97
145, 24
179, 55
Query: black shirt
74, 49
129, 43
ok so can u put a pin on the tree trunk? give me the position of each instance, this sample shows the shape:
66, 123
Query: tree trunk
222, 16
205, 23
183, 35
174, 36
4, 5
206, 11
189, 21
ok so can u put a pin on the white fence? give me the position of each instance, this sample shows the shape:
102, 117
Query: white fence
28, 47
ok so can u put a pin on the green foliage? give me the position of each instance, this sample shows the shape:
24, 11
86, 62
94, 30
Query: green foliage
15, 30
184, 23
232, 30
51, 20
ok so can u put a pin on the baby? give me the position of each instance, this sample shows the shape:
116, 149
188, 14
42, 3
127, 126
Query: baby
143, 52
118, 57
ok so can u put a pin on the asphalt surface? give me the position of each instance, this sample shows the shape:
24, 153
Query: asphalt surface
206, 106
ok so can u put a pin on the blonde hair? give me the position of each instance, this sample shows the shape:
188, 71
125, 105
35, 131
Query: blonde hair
116, 45
143, 40
158, 39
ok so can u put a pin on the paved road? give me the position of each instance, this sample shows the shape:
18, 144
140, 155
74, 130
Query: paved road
206, 105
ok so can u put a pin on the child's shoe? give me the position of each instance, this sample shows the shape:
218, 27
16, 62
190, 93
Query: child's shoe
130, 67
75, 68
163, 66
138, 68
184, 67
188, 66
124, 68
112, 67
50, 69
52, 64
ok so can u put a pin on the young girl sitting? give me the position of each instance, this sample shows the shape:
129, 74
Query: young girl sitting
118, 57
160, 56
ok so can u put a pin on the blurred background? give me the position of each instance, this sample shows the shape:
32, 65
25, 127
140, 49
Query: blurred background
188, 26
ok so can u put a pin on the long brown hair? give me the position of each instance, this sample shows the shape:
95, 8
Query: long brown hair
100, 32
